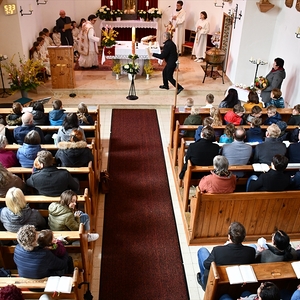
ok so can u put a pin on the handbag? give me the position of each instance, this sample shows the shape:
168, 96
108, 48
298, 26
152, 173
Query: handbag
104, 182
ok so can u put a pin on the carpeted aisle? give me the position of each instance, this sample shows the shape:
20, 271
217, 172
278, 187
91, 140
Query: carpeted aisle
141, 258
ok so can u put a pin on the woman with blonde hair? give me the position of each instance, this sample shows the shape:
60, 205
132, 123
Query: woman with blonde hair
216, 116
18, 213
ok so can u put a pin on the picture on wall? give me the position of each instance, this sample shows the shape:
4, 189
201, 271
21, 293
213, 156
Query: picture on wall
130, 9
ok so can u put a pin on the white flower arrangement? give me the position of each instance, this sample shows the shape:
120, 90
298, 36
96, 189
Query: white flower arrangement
155, 12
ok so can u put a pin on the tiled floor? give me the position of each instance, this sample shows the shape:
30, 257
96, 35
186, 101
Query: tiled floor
100, 87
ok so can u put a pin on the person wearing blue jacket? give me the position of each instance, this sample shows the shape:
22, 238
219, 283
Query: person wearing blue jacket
57, 115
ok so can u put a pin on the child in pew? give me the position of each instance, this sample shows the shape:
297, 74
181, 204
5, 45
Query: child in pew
284, 136
193, 119
189, 103
295, 118
276, 99
255, 133
4, 131
206, 122
209, 100
38, 112
235, 115
57, 115
83, 115
64, 215
256, 112
15, 118
227, 137
273, 115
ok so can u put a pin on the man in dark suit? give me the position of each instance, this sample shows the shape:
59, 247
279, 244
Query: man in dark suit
202, 152
170, 55
232, 253
66, 36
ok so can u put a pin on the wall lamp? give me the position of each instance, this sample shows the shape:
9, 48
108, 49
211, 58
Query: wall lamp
26, 14
234, 14
45, 2
216, 5
298, 33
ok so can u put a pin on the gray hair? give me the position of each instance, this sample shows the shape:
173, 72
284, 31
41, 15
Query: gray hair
167, 35
221, 165
27, 118
3, 141
26, 237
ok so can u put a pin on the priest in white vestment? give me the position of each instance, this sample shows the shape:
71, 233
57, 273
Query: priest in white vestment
178, 20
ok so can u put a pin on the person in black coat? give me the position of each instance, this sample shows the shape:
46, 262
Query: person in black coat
202, 152
170, 55
65, 34
232, 253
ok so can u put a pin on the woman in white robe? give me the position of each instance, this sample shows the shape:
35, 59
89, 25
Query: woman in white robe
200, 43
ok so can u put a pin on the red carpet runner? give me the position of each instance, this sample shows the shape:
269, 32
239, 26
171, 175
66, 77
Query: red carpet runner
141, 259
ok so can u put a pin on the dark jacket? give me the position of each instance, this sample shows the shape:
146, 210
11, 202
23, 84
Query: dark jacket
294, 120
85, 119
264, 152
28, 216
13, 119
191, 120
26, 154
39, 263
272, 254
40, 118
254, 134
230, 254
274, 119
294, 153
56, 117
169, 53
272, 181
21, 131
51, 181
200, 153
71, 154
66, 36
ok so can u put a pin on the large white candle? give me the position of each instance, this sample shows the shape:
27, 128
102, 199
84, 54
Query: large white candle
147, 3
111, 3
133, 34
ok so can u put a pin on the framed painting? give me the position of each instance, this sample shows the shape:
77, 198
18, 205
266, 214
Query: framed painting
130, 9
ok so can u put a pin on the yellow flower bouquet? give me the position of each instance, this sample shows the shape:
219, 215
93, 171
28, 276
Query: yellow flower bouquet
109, 36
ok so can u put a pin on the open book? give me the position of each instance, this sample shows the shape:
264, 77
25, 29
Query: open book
260, 167
241, 274
59, 284
296, 267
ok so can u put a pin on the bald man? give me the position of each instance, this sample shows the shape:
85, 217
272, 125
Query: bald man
27, 125
65, 27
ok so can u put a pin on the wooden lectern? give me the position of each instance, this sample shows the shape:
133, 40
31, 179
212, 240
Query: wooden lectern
62, 67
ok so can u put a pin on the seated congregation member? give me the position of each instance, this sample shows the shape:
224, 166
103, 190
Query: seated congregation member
74, 153
15, 118
193, 119
202, 152
280, 250
70, 122
273, 115
264, 152
206, 122
295, 118
220, 181
256, 112
33, 261
253, 100
5, 131
27, 153
266, 291
27, 125
39, 116
283, 134
235, 115
57, 115
209, 100
274, 180
11, 292
232, 253
238, 153
47, 179
8, 158
227, 137
18, 213
83, 115
8, 180
255, 133
231, 99
293, 151
276, 99
64, 215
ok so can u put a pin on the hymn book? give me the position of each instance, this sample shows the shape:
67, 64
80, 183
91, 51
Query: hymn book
260, 167
241, 274
59, 284
296, 267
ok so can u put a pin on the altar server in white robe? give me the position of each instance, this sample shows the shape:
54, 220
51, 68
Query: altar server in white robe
88, 44
178, 20
200, 43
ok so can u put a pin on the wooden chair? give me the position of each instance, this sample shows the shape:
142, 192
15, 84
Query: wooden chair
190, 43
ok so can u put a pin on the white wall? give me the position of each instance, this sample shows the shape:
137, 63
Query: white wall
258, 35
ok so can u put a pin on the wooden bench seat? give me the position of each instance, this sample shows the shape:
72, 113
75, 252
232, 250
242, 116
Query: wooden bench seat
262, 213
280, 273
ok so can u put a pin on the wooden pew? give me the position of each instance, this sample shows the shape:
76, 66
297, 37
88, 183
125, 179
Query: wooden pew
260, 212
34, 284
280, 273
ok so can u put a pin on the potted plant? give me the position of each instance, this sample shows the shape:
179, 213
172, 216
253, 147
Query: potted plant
23, 77
148, 68
131, 68
109, 36
116, 68
155, 13
104, 13
142, 15
118, 14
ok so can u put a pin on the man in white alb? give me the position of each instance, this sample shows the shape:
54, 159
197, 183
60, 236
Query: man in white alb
178, 20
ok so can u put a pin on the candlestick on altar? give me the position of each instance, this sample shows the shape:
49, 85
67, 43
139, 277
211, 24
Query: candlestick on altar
257, 62
133, 47
133, 34
147, 7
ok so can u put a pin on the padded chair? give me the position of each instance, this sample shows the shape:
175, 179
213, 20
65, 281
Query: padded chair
190, 43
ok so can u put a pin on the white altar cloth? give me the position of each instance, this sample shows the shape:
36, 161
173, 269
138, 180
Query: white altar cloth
130, 24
